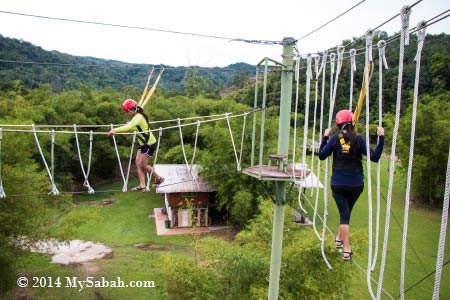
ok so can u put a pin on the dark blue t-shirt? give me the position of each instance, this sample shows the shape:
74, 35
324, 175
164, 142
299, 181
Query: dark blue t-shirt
348, 177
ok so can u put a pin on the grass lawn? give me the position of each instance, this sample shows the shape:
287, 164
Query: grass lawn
423, 235
126, 228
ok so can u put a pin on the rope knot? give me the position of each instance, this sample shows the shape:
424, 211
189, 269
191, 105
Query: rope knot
353, 59
405, 12
369, 34
332, 61
421, 28
382, 52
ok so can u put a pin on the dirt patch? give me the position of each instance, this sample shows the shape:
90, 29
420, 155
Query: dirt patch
72, 253
152, 246
108, 202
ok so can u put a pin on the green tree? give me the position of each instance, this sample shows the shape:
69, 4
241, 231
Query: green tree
430, 147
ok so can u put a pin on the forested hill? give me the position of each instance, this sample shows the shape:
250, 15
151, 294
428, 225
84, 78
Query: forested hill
32, 65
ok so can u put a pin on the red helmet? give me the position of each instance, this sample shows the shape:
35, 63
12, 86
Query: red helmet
128, 104
344, 116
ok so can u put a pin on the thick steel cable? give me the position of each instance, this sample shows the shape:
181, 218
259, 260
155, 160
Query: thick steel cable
405, 12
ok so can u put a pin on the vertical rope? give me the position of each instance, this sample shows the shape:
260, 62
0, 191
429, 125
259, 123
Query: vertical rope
441, 248
368, 58
232, 142
124, 188
195, 146
297, 89
327, 162
2, 192
316, 92
242, 140
421, 39
85, 174
404, 13
130, 160
54, 190
352, 73
182, 146
322, 100
154, 160
382, 60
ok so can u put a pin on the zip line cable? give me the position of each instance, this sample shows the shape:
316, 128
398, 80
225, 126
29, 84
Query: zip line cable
334, 19
116, 25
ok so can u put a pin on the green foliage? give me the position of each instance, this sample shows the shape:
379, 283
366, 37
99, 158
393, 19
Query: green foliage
240, 269
431, 146
186, 280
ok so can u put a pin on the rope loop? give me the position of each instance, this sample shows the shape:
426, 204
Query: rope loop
308, 64
316, 65
332, 61
405, 12
382, 52
369, 37
421, 27
353, 59
324, 59
297, 68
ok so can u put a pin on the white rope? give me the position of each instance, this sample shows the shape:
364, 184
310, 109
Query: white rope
305, 126
195, 146
322, 100
182, 147
441, 248
352, 73
238, 167
316, 95
404, 33
327, 161
368, 62
382, 58
124, 188
149, 176
242, 141
297, 89
85, 174
421, 39
2, 192
130, 160
54, 190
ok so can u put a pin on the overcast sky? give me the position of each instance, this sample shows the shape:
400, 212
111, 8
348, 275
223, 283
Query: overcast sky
247, 19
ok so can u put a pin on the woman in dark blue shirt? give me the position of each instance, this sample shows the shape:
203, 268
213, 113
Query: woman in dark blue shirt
347, 179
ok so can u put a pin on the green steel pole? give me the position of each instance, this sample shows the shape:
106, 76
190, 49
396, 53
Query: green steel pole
283, 148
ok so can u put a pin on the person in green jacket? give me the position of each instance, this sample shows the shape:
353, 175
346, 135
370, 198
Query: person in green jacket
146, 140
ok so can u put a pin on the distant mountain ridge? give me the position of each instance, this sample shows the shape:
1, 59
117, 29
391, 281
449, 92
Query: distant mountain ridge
32, 65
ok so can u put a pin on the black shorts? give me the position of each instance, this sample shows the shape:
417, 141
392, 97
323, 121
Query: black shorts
148, 150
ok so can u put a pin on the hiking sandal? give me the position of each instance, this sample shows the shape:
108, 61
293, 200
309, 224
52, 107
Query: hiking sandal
347, 255
139, 188
158, 181
339, 244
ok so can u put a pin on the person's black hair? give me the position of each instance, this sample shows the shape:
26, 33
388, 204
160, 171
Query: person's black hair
141, 111
348, 131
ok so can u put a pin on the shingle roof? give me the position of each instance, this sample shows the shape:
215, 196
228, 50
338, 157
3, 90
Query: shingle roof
179, 179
